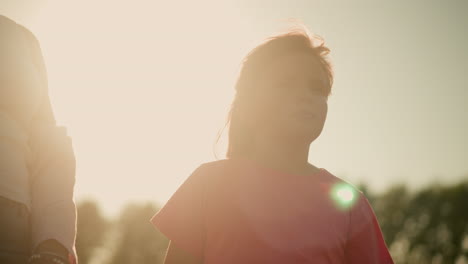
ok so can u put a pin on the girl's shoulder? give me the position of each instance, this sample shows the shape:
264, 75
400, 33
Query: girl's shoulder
215, 164
221, 165
335, 183
217, 168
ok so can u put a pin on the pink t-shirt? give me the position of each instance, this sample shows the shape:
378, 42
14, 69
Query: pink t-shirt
234, 211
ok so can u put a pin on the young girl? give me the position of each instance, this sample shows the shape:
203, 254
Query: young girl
266, 203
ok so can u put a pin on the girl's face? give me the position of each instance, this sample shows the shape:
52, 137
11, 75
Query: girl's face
293, 101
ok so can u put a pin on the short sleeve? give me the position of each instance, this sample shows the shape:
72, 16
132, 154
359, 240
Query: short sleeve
181, 219
365, 243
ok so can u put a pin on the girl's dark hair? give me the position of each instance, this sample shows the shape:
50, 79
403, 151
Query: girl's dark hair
293, 41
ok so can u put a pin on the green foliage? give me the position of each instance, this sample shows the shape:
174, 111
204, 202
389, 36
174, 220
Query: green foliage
429, 226
92, 227
139, 241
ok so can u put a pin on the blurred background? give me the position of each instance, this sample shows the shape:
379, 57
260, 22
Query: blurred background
144, 87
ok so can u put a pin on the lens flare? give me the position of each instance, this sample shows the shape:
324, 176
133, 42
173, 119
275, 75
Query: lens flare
344, 195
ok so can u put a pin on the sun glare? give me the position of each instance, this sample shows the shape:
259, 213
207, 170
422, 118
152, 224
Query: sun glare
344, 195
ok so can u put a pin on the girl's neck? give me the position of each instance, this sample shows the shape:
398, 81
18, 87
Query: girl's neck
287, 156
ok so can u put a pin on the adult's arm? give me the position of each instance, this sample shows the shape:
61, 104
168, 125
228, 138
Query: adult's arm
53, 212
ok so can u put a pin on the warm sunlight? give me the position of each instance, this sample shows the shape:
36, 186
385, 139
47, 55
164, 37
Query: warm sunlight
148, 85
129, 82
143, 88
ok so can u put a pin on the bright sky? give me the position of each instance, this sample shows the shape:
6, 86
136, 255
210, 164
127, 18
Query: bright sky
144, 86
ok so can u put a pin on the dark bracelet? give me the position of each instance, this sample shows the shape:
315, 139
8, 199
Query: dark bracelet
52, 257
